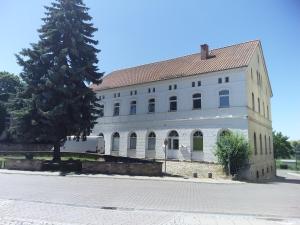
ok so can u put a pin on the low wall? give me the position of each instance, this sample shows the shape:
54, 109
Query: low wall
24, 147
23, 164
123, 168
140, 169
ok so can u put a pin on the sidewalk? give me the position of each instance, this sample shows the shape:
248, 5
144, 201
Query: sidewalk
115, 176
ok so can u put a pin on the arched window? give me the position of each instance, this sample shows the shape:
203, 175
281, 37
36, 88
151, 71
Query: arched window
151, 105
260, 144
173, 140
224, 98
116, 109
197, 101
132, 108
270, 147
116, 141
255, 143
151, 141
173, 104
266, 149
101, 110
198, 141
223, 133
101, 135
132, 141
253, 102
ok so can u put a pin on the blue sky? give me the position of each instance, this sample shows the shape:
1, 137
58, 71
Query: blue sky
134, 32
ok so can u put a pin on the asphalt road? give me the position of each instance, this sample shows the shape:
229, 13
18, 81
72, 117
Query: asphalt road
42, 198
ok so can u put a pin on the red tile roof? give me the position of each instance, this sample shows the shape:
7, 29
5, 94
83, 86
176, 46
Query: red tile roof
225, 58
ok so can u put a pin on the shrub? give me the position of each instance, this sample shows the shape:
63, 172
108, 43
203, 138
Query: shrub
232, 151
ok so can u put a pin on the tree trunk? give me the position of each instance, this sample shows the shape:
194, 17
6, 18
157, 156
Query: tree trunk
56, 152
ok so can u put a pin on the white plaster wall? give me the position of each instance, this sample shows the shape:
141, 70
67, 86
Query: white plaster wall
210, 119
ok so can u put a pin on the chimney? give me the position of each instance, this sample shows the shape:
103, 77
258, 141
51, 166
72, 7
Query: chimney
204, 51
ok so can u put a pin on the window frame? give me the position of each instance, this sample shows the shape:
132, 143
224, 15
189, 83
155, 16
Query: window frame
223, 96
173, 100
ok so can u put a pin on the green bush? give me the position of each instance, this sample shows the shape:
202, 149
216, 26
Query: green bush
233, 148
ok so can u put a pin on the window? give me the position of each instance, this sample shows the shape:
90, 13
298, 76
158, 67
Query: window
170, 87
135, 92
132, 141
266, 149
223, 133
151, 141
119, 94
149, 90
270, 147
197, 101
103, 97
220, 80
253, 102
199, 83
130, 92
193, 84
258, 102
268, 112
153, 89
151, 105
132, 107
173, 103
198, 141
175, 86
116, 109
115, 95
224, 98
251, 74
101, 135
101, 110
257, 77
260, 144
173, 140
115, 141
226, 79
255, 144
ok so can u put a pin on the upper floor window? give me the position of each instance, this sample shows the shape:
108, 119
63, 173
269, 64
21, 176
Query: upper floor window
220, 80
193, 84
264, 110
258, 102
268, 115
116, 109
266, 149
153, 90
199, 83
173, 103
101, 110
132, 107
197, 101
226, 79
119, 94
253, 102
175, 86
151, 105
251, 74
170, 87
224, 98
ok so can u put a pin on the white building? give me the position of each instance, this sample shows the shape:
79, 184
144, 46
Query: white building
190, 101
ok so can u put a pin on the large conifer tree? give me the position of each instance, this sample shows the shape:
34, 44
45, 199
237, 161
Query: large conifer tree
58, 70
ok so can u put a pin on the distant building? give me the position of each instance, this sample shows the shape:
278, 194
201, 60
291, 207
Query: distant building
190, 101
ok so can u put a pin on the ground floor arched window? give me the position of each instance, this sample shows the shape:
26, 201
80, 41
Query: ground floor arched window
198, 141
116, 141
173, 140
132, 141
151, 141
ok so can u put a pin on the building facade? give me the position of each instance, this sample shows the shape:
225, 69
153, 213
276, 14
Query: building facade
187, 103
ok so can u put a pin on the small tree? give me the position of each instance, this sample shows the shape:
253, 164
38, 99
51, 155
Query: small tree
232, 152
282, 147
58, 70
10, 86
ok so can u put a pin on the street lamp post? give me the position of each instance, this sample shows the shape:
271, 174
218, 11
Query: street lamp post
165, 144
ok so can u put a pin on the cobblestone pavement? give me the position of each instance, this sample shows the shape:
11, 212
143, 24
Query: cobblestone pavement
58, 200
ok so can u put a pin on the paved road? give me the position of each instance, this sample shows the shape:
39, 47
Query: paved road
35, 200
